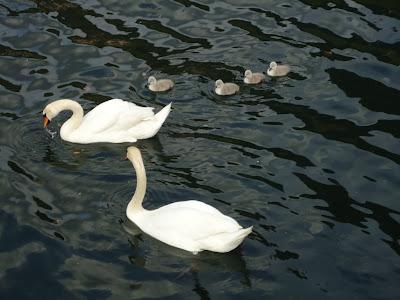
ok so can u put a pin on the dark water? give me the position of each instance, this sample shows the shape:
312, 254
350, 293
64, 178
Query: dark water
311, 160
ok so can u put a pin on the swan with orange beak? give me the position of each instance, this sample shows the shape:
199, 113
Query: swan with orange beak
113, 121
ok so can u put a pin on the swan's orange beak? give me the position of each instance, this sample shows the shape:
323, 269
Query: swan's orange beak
126, 157
46, 121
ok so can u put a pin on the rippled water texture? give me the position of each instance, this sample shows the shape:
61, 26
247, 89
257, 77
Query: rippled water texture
310, 160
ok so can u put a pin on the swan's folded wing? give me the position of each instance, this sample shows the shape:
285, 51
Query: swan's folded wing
113, 115
190, 221
194, 204
132, 116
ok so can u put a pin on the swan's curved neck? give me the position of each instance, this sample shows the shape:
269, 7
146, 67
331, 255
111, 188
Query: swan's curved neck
135, 205
75, 120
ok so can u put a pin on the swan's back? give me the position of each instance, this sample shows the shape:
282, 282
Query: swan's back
114, 114
194, 218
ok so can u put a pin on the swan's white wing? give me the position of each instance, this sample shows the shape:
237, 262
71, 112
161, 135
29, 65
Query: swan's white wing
194, 221
114, 114
196, 205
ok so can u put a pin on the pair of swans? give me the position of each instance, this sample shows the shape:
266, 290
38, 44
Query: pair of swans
230, 88
189, 225
274, 70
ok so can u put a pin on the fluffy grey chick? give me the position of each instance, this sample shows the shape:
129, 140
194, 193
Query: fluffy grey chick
275, 70
225, 89
253, 78
160, 85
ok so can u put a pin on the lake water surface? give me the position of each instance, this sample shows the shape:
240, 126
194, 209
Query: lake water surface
311, 160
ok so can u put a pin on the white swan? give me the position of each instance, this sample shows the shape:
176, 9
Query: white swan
160, 85
190, 225
276, 70
253, 78
225, 89
113, 121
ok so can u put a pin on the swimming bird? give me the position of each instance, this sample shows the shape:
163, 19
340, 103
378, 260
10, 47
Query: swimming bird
160, 85
253, 78
189, 225
113, 121
225, 89
275, 70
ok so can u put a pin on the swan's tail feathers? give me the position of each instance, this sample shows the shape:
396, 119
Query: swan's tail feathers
225, 242
247, 231
241, 235
162, 115
151, 125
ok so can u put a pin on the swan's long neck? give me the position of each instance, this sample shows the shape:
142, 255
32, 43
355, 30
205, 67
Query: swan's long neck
135, 205
75, 120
